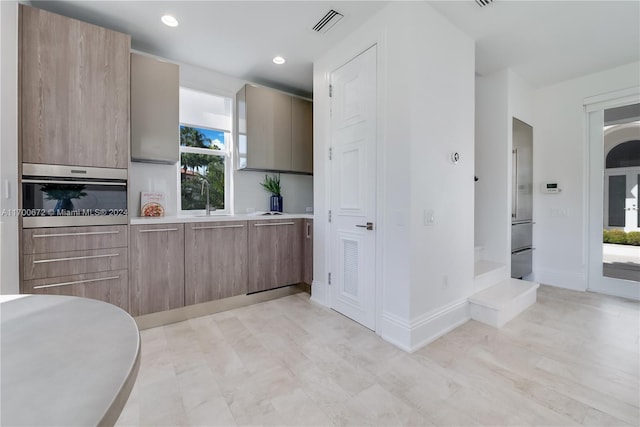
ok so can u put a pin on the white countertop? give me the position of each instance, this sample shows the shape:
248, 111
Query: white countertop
65, 360
214, 217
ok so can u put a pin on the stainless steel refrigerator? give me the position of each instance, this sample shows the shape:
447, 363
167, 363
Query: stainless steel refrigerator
522, 200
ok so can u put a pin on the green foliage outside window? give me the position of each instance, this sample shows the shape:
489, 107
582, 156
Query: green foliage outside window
619, 237
195, 167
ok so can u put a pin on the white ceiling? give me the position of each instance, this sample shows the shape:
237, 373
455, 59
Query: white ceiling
543, 41
238, 38
549, 41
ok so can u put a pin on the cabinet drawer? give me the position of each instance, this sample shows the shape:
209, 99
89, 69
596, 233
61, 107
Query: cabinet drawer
55, 264
43, 240
109, 286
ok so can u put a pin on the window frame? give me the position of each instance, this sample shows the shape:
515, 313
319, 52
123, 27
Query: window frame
226, 154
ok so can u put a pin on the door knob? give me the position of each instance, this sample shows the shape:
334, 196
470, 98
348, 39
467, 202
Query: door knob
368, 226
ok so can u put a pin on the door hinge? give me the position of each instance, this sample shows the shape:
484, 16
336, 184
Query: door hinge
329, 215
330, 153
329, 278
330, 91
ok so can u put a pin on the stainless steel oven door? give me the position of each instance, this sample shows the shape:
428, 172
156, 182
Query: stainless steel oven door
64, 196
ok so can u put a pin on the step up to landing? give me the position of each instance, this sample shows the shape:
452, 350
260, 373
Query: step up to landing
503, 301
488, 273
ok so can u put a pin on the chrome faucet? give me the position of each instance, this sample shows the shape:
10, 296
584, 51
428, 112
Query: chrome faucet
207, 206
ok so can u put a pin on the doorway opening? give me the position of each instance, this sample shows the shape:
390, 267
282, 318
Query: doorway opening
613, 132
621, 226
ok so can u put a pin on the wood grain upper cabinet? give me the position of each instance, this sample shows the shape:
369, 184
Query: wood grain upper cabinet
268, 128
275, 253
215, 260
74, 91
156, 268
155, 118
275, 131
301, 135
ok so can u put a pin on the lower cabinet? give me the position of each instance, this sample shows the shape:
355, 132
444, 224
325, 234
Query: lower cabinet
89, 262
108, 286
156, 281
275, 253
173, 265
215, 260
307, 251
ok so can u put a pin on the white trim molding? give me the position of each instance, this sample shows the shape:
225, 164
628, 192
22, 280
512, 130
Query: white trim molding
319, 293
612, 99
576, 281
415, 334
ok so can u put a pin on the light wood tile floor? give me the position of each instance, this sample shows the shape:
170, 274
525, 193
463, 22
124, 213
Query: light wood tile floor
571, 359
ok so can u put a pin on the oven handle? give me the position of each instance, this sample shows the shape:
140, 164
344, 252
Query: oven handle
70, 182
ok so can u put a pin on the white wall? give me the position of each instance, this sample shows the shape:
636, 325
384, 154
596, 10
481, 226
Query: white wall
425, 112
297, 190
492, 157
500, 97
442, 122
559, 155
9, 146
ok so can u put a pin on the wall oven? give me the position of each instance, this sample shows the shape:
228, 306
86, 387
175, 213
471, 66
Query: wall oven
66, 196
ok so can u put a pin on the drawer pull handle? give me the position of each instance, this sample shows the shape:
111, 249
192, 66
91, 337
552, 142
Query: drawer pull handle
271, 224
77, 282
217, 226
88, 233
75, 258
47, 181
308, 230
158, 230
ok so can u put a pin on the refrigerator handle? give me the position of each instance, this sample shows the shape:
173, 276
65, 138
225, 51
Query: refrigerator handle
514, 183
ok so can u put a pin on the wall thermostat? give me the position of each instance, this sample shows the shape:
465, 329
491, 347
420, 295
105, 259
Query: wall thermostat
455, 158
550, 188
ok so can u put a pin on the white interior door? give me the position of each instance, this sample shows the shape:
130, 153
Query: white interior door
599, 216
353, 183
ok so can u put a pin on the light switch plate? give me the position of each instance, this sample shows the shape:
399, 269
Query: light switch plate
429, 217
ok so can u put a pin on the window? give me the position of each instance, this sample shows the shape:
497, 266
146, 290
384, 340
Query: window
205, 150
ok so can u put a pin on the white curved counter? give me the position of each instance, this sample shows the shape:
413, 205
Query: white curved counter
65, 360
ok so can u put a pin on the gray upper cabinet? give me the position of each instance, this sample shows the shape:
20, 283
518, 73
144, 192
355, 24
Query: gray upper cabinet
301, 135
74, 91
275, 131
155, 119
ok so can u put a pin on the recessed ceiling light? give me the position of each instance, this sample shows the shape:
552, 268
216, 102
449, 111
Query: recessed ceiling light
169, 21
279, 60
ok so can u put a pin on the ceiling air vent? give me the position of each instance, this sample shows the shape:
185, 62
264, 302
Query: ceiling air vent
327, 21
483, 3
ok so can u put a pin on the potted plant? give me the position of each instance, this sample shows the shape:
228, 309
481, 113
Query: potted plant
64, 194
272, 185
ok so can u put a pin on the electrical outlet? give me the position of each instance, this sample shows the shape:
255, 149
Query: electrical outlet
309, 209
251, 210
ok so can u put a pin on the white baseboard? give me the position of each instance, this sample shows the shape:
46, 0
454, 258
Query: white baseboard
411, 336
431, 326
396, 330
319, 293
561, 279
628, 290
